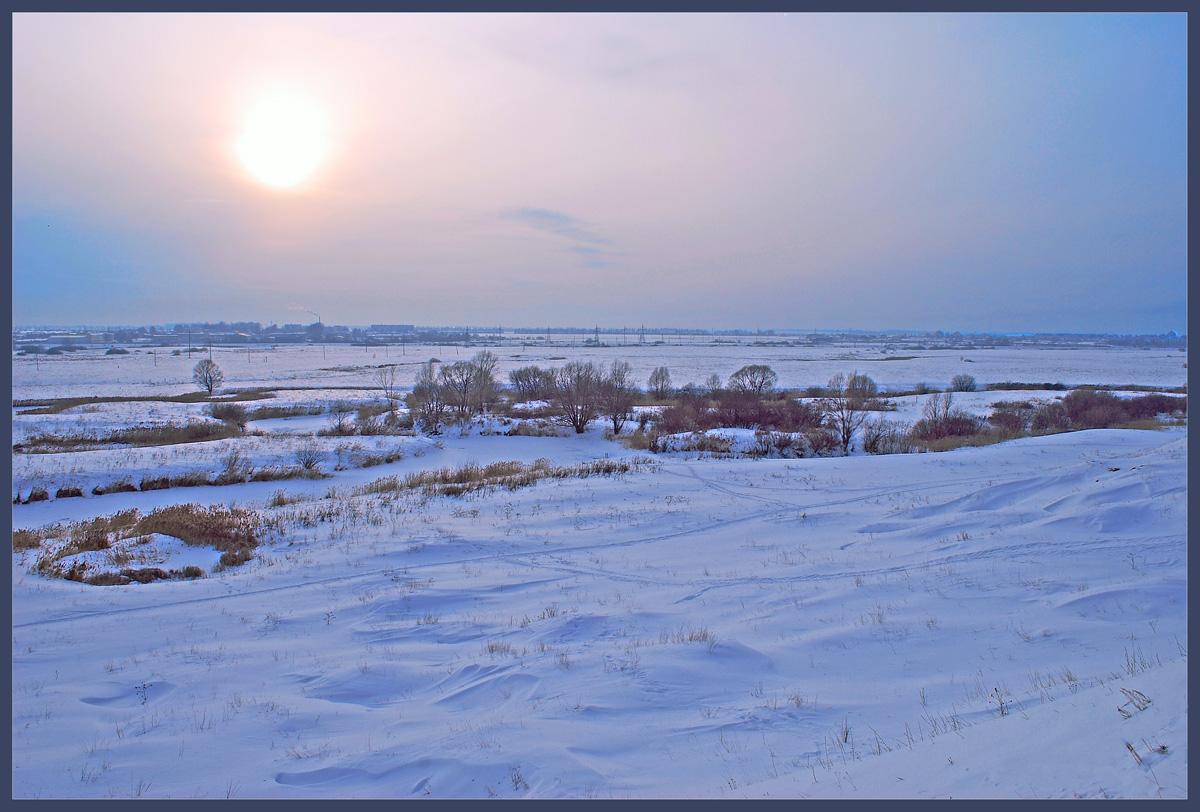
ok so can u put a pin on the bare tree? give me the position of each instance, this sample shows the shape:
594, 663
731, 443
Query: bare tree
208, 376
470, 386
577, 393
617, 394
388, 380
340, 421
531, 381
938, 407
427, 399
660, 383
962, 382
484, 388
757, 378
712, 384
457, 381
846, 404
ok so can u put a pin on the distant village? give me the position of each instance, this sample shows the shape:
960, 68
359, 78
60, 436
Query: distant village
35, 340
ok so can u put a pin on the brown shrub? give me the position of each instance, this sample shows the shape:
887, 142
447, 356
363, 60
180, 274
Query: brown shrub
680, 418
1147, 407
235, 558
120, 486
1050, 417
146, 575
955, 424
273, 412
155, 483
822, 443
1009, 420
883, 436
103, 579
224, 529
1091, 409
972, 440
26, 540
141, 436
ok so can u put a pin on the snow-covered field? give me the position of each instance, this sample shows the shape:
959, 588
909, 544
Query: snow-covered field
1007, 621
90, 372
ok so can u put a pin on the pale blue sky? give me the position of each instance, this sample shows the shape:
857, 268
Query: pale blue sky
958, 172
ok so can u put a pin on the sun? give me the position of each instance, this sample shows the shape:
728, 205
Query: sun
284, 140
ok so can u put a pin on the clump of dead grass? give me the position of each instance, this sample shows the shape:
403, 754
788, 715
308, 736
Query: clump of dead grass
504, 474
234, 532
136, 436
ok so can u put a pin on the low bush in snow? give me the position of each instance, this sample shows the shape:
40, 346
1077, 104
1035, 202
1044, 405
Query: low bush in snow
884, 436
120, 486
232, 531
233, 413
943, 420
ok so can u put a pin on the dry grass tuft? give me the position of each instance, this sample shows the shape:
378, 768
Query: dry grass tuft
233, 531
26, 540
505, 474
137, 436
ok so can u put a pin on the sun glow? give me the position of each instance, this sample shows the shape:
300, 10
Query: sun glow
285, 139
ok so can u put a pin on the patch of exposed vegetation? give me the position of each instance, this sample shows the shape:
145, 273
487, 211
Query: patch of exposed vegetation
37, 406
944, 427
276, 412
136, 436
234, 532
509, 474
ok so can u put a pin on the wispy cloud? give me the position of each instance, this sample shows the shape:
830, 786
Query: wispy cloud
591, 257
594, 251
555, 222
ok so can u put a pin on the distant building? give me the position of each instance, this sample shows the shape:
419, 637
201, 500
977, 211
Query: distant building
393, 328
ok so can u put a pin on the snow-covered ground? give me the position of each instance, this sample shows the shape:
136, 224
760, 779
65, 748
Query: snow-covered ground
1007, 621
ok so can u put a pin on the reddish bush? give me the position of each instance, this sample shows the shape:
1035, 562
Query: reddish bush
1009, 420
1050, 417
1089, 409
1147, 407
955, 424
